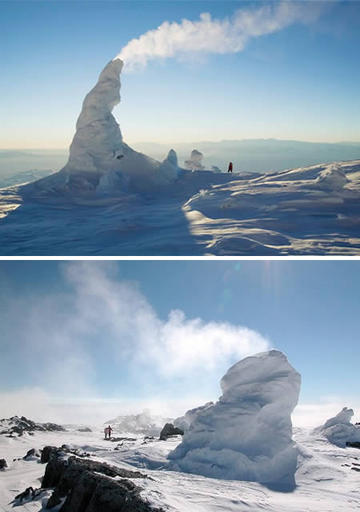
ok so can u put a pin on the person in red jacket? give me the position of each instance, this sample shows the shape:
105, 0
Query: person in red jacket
230, 167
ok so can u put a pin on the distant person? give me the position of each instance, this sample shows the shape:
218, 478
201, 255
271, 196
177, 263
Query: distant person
109, 431
230, 168
106, 431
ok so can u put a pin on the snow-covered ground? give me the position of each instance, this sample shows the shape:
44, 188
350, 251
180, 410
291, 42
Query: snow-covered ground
112, 200
307, 211
327, 477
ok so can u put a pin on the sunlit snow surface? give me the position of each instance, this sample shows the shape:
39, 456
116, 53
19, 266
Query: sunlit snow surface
326, 479
314, 210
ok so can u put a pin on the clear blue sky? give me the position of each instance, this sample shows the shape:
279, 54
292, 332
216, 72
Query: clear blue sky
307, 309
300, 82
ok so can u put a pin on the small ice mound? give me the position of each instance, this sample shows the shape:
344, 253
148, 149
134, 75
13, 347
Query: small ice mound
247, 433
332, 178
339, 430
194, 163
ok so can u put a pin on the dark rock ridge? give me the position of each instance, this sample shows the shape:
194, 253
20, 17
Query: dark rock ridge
169, 430
3, 464
49, 452
355, 444
90, 486
19, 425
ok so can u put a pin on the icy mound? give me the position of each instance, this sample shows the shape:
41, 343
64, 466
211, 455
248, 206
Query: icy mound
99, 161
339, 430
332, 178
247, 434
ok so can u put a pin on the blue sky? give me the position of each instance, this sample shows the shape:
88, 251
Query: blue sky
102, 330
300, 82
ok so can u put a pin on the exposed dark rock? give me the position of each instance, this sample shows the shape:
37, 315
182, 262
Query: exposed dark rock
169, 430
31, 453
89, 485
117, 439
19, 425
46, 453
29, 493
84, 429
52, 451
3, 464
355, 444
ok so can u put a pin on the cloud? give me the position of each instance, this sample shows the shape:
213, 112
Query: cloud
95, 328
214, 36
175, 346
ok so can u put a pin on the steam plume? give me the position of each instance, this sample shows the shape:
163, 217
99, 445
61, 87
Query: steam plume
206, 36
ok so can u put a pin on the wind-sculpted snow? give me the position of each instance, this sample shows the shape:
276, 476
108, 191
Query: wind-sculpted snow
339, 430
247, 434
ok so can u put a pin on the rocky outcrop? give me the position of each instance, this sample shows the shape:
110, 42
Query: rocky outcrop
32, 454
3, 464
19, 425
170, 430
90, 486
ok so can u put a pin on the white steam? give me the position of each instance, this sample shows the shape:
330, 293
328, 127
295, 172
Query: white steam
63, 341
214, 36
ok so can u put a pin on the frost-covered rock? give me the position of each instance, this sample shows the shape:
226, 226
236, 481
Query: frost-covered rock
170, 430
247, 434
339, 430
19, 425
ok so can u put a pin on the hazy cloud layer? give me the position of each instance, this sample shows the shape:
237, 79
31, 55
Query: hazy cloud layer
216, 36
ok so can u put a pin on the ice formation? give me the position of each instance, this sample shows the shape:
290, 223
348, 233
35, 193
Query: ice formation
185, 421
339, 430
194, 163
247, 434
99, 160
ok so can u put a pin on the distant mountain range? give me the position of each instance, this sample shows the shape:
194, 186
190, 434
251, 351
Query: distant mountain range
257, 155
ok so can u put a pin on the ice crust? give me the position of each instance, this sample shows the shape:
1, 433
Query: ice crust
247, 434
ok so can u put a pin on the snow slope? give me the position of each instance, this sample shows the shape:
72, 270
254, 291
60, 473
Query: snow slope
327, 477
307, 211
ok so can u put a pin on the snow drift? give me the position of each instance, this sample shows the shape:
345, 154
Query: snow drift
247, 434
339, 430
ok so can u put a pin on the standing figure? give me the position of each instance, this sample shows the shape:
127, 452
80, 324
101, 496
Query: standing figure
109, 431
230, 168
